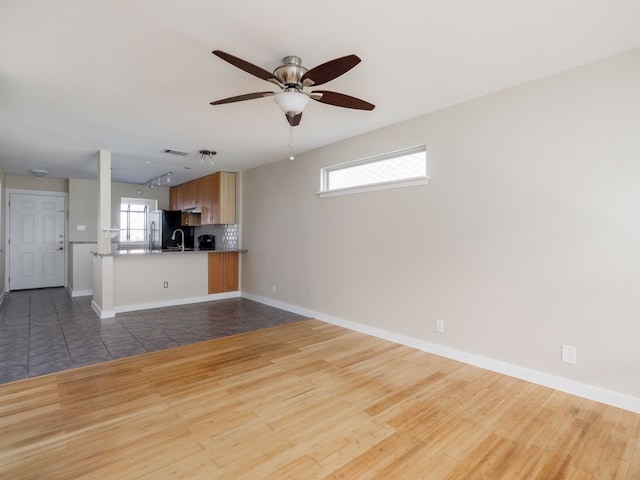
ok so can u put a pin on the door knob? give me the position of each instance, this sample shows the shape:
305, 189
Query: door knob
61, 248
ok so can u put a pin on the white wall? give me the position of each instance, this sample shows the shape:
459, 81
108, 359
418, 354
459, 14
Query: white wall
526, 237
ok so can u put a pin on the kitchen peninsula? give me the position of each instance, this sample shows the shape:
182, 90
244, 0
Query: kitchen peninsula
160, 278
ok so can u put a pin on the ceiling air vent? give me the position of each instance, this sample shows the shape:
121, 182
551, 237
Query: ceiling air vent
175, 152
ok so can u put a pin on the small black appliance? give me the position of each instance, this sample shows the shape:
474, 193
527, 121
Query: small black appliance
207, 242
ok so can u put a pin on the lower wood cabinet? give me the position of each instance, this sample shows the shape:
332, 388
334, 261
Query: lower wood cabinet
223, 272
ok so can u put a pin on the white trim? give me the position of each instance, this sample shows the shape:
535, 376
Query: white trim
46, 193
3, 295
609, 397
80, 293
412, 182
102, 314
178, 301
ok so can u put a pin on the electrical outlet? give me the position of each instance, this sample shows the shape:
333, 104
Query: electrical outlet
569, 354
440, 326
274, 288
166, 284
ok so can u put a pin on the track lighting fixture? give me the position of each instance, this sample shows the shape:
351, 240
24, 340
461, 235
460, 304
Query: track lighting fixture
157, 181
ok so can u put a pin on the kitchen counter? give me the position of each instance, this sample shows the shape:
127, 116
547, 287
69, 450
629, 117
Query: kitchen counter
146, 278
146, 251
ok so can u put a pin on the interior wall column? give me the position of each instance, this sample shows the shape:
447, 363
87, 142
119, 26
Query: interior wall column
103, 281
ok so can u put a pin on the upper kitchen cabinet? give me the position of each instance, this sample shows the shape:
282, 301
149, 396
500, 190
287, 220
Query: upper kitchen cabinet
214, 194
189, 195
203, 196
223, 198
174, 200
182, 197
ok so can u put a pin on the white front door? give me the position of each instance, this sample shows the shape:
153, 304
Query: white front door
36, 241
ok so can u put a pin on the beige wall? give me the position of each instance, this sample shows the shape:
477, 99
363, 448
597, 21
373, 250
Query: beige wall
525, 238
83, 204
128, 190
139, 279
3, 233
80, 268
83, 207
33, 183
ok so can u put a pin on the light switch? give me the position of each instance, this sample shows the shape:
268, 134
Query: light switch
81, 228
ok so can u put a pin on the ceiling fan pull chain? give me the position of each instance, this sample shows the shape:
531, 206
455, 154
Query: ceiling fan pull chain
291, 157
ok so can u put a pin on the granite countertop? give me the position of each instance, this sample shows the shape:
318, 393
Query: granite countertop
146, 251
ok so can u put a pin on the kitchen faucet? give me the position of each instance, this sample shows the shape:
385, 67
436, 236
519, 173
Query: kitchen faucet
173, 237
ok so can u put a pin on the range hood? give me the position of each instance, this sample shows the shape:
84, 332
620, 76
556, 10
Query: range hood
193, 210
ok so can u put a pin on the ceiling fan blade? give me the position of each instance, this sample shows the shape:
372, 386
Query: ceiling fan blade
342, 100
241, 98
330, 70
294, 120
244, 65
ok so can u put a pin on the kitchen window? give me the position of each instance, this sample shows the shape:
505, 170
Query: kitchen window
134, 218
392, 170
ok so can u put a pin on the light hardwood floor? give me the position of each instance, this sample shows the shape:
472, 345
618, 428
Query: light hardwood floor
306, 400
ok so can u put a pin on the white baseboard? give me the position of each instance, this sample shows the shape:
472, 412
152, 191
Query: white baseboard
79, 293
178, 301
616, 399
102, 314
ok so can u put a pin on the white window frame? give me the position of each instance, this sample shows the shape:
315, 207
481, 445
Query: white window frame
149, 204
370, 187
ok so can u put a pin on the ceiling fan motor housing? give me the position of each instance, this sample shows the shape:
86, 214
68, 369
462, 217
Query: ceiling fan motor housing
290, 72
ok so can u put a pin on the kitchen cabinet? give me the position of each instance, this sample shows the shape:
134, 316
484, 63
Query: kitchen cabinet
174, 201
218, 193
190, 219
224, 272
203, 199
183, 196
189, 195
214, 194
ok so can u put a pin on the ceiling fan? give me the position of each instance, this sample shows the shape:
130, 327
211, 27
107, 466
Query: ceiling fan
292, 78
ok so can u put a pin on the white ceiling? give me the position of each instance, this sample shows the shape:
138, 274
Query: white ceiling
136, 76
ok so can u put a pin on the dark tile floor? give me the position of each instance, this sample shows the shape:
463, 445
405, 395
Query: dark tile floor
45, 330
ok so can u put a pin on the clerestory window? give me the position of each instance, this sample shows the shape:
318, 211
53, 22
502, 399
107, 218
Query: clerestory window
392, 170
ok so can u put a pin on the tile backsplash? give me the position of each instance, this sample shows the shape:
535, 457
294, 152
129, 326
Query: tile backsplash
227, 236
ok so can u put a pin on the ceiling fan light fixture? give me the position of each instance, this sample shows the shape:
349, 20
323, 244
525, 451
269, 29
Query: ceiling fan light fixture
291, 102
204, 154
